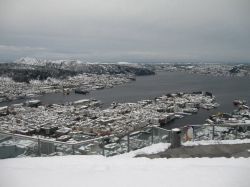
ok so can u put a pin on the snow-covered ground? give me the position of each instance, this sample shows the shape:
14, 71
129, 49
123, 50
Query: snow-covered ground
98, 171
124, 170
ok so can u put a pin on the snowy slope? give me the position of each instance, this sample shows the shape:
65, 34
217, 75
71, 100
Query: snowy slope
98, 171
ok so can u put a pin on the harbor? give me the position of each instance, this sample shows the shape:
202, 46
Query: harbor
130, 115
226, 89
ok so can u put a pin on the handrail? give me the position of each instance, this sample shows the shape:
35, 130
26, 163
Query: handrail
19, 135
66, 143
48, 140
162, 129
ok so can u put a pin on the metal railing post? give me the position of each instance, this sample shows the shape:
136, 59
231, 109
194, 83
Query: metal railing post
128, 143
213, 133
14, 140
152, 135
103, 148
73, 149
38, 147
194, 134
236, 132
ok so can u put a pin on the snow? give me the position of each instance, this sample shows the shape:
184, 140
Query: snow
116, 171
124, 170
152, 149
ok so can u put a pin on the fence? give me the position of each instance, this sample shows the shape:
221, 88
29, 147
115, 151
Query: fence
16, 145
217, 132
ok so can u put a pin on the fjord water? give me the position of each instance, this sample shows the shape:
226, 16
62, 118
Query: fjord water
226, 89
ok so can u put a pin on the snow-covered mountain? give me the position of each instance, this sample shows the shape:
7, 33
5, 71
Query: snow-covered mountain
80, 66
30, 61
38, 62
65, 62
26, 69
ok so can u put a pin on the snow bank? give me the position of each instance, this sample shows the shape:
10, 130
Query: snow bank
98, 171
152, 149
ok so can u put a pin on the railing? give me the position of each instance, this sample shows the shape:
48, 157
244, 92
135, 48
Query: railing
16, 145
217, 132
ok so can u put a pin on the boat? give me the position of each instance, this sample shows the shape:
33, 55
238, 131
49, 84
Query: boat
132, 77
33, 103
80, 91
239, 102
166, 119
190, 110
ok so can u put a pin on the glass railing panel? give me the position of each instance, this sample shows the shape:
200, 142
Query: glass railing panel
148, 135
90, 147
140, 139
224, 133
26, 146
7, 147
161, 135
116, 146
242, 132
54, 148
202, 132
15, 146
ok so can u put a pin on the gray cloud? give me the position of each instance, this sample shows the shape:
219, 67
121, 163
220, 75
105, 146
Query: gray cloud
127, 30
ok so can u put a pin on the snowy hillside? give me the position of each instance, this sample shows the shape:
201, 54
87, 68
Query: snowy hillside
26, 69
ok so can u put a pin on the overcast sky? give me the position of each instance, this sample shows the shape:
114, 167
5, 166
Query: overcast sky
126, 30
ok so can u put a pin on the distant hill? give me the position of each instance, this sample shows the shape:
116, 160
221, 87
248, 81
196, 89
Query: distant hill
26, 69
